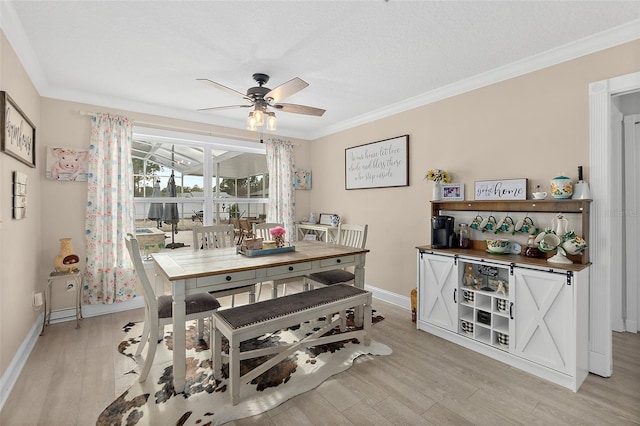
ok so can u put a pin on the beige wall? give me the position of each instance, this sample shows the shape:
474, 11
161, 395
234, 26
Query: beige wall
20, 240
534, 126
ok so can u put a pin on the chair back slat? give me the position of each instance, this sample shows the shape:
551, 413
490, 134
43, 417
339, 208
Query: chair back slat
261, 230
134, 252
213, 237
352, 235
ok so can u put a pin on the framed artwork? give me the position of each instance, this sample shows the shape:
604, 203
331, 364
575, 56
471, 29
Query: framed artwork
453, 191
509, 189
325, 218
302, 178
67, 164
19, 195
18, 132
377, 164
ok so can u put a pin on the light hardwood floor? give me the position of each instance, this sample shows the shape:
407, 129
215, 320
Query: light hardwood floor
72, 375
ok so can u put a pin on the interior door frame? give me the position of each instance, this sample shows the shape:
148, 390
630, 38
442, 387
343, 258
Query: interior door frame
605, 222
632, 222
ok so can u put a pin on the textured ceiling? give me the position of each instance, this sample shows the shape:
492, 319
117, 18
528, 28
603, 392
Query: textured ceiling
362, 59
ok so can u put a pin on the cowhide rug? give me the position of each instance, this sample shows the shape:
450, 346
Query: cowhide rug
206, 400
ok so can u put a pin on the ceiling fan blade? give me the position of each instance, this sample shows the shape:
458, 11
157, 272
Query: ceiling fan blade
286, 89
225, 107
300, 109
224, 88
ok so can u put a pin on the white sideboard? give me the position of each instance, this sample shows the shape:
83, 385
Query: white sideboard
538, 324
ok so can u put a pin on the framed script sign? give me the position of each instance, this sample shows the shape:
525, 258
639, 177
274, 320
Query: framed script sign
18, 132
377, 164
511, 189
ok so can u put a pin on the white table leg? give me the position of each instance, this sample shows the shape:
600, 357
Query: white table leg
179, 336
359, 283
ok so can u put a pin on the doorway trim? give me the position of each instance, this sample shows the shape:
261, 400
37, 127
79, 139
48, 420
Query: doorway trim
606, 220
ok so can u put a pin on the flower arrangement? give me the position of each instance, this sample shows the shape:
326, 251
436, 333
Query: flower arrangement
437, 175
278, 231
278, 235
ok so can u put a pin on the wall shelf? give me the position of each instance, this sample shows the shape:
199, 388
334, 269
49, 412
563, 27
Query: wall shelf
581, 207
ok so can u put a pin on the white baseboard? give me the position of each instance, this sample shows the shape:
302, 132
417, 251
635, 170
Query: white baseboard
389, 297
11, 374
96, 310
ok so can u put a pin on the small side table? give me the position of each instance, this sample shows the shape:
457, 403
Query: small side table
76, 276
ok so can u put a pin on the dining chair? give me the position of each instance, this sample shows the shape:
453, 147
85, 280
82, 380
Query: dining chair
212, 237
237, 231
158, 310
261, 230
245, 230
348, 235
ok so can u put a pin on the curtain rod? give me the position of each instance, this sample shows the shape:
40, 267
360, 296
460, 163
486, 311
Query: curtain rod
183, 129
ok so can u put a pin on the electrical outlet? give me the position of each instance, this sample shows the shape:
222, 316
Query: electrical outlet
70, 285
37, 300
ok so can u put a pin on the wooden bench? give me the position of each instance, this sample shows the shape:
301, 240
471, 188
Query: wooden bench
248, 321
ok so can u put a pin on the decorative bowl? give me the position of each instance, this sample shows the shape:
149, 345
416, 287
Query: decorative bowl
498, 245
561, 187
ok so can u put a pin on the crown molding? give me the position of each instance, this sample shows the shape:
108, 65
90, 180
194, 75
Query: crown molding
597, 42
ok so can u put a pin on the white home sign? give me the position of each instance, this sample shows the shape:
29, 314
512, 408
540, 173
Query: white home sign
512, 189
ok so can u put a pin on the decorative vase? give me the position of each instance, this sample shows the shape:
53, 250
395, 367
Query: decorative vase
437, 191
279, 240
66, 260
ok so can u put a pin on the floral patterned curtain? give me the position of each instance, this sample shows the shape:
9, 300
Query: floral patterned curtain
109, 276
281, 207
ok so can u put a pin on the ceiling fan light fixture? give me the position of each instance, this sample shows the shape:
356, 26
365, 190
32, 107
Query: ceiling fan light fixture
271, 121
251, 121
259, 116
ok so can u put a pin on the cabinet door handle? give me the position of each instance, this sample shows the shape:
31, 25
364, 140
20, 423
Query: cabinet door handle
511, 310
455, 293
228, 278
291, 268
339, 260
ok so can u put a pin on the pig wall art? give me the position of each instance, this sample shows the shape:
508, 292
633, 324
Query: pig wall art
67, 164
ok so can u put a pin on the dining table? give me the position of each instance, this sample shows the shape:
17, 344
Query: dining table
189, 271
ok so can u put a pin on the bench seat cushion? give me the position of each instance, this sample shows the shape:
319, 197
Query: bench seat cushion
246, 315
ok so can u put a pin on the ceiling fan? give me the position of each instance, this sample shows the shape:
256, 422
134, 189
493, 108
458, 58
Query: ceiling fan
262, 98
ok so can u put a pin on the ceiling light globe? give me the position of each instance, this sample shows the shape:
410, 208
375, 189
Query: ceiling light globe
271, 121
259, 116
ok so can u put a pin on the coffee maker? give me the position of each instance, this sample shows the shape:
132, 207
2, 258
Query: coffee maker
442, 235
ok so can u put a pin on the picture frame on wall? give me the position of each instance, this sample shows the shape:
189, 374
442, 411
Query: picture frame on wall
19, 195
18, 137
380, 164
504, 189
67, 164
453, 191
302, 178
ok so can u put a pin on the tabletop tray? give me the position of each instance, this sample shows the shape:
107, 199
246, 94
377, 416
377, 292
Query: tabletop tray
265, 252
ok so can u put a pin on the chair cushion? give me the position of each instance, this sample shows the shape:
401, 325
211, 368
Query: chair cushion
200, 302
335, 276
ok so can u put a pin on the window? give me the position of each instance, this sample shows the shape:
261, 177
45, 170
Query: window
215, 178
